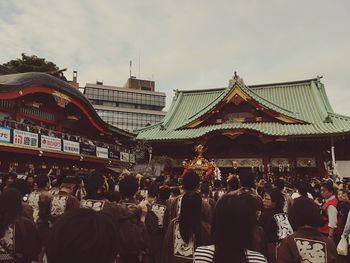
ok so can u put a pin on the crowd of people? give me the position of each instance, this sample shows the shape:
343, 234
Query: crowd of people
48, 130
128, 219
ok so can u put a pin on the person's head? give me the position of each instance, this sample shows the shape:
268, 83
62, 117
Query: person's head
22, 186
247, 178
190, 216
302, 188
346, 197
94, 184
42, 181
70, 184
10, 208
232, 182
232, 226
261, 183
327, 189
175, 191
82, 235
205, 188
190, 181
164, 193
153, 190
304, 212
273, 199
30, 179
279, 183
9, 178
340, 195
128, 186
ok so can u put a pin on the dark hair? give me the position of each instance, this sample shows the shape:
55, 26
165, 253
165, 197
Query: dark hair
41, 180
279, 183
277, 198
82, 235
190, 180
128, 186
233, 183
152, 190
113, 196
22, 186
164, 193
190, 217
302, 188
92, 184
328, 184
10, 208
247, 178
304, 212
232, 226
6, 177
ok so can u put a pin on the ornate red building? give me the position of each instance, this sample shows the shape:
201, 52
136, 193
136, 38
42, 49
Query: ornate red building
45, 123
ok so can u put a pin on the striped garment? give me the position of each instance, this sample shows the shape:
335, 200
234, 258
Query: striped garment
205, 254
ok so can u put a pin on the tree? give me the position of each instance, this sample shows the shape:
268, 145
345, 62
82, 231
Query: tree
31, 64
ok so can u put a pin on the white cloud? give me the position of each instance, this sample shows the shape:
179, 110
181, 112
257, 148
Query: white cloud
186, 44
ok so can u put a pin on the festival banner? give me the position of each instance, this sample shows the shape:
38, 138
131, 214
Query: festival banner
5, 135
102, 152
132, 158
71, 147
88, 149
51, 143
124, 157
25, 138
113, 154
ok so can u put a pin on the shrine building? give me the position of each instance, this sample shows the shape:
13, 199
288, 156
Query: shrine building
274, 128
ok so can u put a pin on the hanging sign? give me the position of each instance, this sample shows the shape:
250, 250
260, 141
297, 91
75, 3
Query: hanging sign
102, 152
51, 143
5, 135
71, 147
25, 138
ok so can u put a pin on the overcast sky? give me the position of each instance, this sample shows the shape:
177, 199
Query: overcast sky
186, 44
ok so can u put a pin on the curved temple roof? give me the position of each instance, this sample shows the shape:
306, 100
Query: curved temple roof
15, 82
305, 101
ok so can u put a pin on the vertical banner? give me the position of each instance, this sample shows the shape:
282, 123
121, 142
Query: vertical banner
124, 157
5, 135
25, 138
132, 158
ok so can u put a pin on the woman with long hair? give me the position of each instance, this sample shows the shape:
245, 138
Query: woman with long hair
274, 221
233, 223
186, 232
19, 239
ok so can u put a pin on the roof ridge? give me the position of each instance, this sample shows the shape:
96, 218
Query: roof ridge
282, 83
339, 115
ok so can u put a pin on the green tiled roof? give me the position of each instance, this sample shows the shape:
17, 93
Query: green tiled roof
305, 101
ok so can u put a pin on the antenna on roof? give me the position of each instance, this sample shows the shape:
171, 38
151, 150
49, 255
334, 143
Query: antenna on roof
130, 68
139, 65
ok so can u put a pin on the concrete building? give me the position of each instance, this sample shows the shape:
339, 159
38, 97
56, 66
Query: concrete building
133, 106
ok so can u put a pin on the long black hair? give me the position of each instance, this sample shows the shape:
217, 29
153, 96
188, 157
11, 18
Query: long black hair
10, 208
232, 226
190, 217
82, 235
